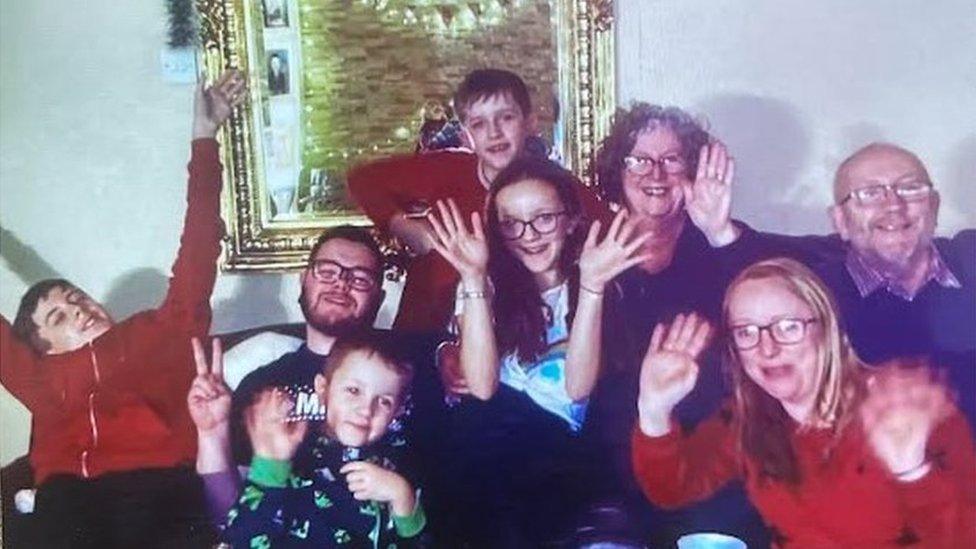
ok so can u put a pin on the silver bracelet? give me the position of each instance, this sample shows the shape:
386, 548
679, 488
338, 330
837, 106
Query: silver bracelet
473, 294
591, 291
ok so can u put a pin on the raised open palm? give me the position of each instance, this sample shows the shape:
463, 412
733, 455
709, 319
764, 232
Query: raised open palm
600, 261
273, 434
708, 200
466, 250
213, 105
670, 367
902, 408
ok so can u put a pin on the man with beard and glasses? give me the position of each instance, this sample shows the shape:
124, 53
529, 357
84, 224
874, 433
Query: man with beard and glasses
341, 292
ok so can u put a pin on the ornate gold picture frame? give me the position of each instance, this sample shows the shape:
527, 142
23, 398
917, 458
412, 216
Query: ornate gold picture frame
335, 82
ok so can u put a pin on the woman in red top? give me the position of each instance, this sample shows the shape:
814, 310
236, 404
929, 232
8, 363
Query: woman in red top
830, 455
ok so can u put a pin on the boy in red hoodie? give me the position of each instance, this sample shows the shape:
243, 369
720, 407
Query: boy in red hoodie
112, 444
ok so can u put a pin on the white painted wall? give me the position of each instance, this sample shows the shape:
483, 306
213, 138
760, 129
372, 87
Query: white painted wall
795, 86
93, 148
93, 143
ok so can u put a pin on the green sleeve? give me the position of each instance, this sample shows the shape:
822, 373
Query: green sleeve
412, 524
271, 473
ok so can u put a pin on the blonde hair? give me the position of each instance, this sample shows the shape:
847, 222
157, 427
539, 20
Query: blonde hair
764, 425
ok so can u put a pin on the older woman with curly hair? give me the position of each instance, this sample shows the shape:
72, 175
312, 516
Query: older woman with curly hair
661, 165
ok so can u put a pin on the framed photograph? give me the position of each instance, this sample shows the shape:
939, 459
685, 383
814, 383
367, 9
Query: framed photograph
347, 82
275, 13
277, 72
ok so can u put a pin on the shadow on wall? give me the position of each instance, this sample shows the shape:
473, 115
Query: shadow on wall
138, 290
256, 302
135, 291
771, 148
854, 137
960, 184
24, 261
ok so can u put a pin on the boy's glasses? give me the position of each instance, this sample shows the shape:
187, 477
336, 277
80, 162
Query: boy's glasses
642, 165
544, 223
330, 272
785, 331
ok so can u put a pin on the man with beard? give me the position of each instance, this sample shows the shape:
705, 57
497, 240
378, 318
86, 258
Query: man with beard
341, 291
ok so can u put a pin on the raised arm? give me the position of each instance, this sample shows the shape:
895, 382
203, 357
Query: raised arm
679, 468
673, 468
669, 371
708, 200
194, 272
18, 368
395, 193
275, 440
209, 404
926, 448
942, 503
600, 262
467, 252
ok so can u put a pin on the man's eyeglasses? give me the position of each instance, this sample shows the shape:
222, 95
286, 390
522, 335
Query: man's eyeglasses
785, 331
873, 195
642, 165
330, 272
544, 223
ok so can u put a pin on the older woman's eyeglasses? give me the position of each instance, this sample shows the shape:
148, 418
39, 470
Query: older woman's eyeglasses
872, 195
544, 223
330, 272
785, 331
643, 165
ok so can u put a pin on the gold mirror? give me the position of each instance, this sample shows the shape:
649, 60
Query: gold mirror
336, 82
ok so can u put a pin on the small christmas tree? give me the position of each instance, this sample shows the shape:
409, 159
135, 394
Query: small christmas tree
182, 23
